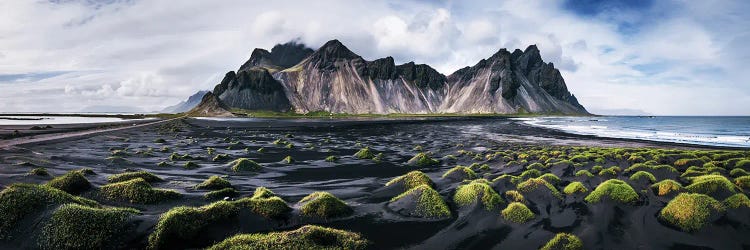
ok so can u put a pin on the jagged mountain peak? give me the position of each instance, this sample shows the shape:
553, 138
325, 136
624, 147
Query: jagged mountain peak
280, 57
335, 79
334, 50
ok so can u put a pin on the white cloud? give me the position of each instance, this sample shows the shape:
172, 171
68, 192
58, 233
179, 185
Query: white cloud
152, 54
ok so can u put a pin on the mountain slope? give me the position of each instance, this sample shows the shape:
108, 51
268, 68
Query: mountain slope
210, 106
186, 105
337, 80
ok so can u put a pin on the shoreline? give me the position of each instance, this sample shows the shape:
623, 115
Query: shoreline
536, 134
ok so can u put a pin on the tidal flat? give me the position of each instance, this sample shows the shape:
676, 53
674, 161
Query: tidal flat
370, 184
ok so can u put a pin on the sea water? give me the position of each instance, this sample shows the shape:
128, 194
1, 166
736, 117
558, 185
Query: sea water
733, 131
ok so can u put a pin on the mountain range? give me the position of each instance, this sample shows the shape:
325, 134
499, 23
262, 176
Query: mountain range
294, 78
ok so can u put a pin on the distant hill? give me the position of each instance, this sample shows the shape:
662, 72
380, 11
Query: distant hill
186, 105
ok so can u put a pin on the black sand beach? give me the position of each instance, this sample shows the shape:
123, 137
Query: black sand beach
361, 183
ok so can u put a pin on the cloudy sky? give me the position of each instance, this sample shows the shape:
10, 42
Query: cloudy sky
645, 56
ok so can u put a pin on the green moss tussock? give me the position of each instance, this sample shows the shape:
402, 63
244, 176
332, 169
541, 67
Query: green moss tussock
517, 212
534, 184
462, 172
137, 191
244, 164
306, 237
666, 187
324, 205
616, 190
713, 184
214, 182
563, 241
74, 226
575, 187
149, 177
737, 201
364, 153
690, 212
422, 160
72, 182
20, 200
183, 223
477, 191
429, 202
221, 194
643, 175
412, 179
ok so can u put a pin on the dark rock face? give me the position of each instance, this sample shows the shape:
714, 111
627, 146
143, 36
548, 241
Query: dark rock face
253, 89
210, 105
280, 57
335, 79
422, 75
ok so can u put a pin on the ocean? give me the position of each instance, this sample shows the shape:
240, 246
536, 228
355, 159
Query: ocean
732, 131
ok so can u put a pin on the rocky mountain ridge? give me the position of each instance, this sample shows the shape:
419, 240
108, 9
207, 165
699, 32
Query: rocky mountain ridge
334, 79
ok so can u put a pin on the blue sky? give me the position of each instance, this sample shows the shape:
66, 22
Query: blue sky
669, 57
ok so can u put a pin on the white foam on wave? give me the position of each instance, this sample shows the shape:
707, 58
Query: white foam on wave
662, 136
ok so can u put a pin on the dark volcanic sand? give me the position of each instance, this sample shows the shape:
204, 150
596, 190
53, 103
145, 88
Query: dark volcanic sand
360, 182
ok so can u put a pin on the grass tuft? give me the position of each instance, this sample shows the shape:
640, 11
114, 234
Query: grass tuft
517, 212
563, 241
324, 205
74, 226
306, 237
476, 191
244, 164
149, 177
690, 212
412, 179
575, 187
137, 191
429, 202
616, 190
72, 182
214, 182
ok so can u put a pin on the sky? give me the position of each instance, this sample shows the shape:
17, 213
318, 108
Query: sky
666, 57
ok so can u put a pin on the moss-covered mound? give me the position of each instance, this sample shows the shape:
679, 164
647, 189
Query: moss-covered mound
460, 173
563, 241
738, 172
20, 200
616, 190
411, 180
74, 226
584, 173
737, 201
514, 196
288, 159
422, 160
244, 164
550, 177
517, 212
714, 185
666, 187
742, 182
149, 177
531, 173
221, 157
421, 201
364, 153
39, 172
214, 182
643, 176
221, 194
332, 158
536, 184
306, 237
323, 205
575, 187
190, 165
181, 224
136, 190
72, 182
691, 212
262, 193
477, 191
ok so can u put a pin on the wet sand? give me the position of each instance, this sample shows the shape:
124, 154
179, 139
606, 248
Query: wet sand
360, 183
